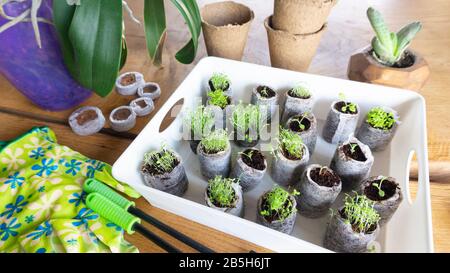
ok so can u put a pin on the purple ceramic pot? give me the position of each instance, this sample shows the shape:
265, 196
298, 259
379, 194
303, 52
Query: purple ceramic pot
39, 73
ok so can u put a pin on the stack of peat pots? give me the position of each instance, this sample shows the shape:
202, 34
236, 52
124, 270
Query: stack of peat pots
294, 31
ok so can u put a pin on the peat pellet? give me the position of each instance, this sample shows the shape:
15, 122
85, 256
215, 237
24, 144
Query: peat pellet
285, 171
142, 106
237, 208
319, 187
378, 139
86, 120
352, 168
151, 90
340, 237
285, 226
309, 133
296, 106
128, 83
174, 182
212, 165
228, 90
249, 170
267, 98
338, 126
122, 119
385, 205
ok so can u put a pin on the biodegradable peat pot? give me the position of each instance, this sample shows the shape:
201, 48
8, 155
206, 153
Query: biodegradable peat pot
340, 236
339, 126
363, 67
266, 97
301, 16
294, 105
242, 139
308, 132
214, 164
225, 28
174, 182
385, 205
292, 51
285, 226
354, 167
319, 186
249, 169
287, 171
237, 208
378, 139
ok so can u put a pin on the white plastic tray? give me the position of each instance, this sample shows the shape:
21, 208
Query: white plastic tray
410, 229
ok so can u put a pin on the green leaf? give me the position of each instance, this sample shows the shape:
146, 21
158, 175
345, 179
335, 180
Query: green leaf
155, 29
123, 53
96, 37
406, 34
379, 26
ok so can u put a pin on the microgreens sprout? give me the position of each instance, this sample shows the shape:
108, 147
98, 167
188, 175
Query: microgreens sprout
353, 147
201, 119
221, 192
246, 118
163, 160
300, 92
277, 203
249, 154
215, 142
381, 193
300, 119
218, 98
378, 118
348, 106
321, 170
220, 81
291, 143
359, 212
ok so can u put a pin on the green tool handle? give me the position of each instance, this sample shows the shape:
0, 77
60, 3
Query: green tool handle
92, 185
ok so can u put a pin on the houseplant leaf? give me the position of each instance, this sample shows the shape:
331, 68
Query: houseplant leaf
123, 54
96, 36
406, 34
155, 29
379, 26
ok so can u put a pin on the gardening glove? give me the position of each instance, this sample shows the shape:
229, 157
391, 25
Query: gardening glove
42, 204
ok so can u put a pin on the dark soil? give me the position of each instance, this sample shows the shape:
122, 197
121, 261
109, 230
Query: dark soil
389, 188
356, 155
150, 88
295, 96
216, 203
150, 169
269, 93
355, 228
141, 103
211, 86
295, 126
128, 79
86, 116
122, 114
274, 215
338, 106
325, 177
256, 161
406, 61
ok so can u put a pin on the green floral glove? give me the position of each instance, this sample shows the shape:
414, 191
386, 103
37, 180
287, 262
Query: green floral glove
42, 204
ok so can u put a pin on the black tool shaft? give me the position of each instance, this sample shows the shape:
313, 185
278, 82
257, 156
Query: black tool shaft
154, 238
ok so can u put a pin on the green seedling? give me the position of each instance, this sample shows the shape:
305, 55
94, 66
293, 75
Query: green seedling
322, 169
291, 143
201, 120
216, 141
353, 147
246, 118
301, 92
264, 91
348, 106
359, 212
380, 119
300, 119
220, 81
278, 203
221, 192
248, 154
381, 193
163, 160
218, 98
389, 47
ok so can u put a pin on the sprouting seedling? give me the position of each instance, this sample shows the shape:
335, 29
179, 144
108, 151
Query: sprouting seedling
248, 154
322, 169
348, 106
278, 203
221, 191
378, 118
359, 212
220, 81
215, 142
381, 193
218, 98
300, 119
200, 119
162, 160
291, 142
264, 91
301, 91
246, 118
389, 47
353, 147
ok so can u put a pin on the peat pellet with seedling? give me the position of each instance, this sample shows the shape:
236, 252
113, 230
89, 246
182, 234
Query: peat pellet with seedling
86, 120
267, 99
150, 90
378, 128
199, 122
352, 161
220, 102
386, 195
249, 169
220, 81
299, 100
128, 83
164, 170
142, 106
341, 120
276, 209
305, 125
247, 122
290, 158
214, 153
225, 194
122, 119
353, 227
319, 187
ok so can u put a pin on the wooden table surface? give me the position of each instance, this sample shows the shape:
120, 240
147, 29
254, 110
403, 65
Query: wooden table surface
348, 30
